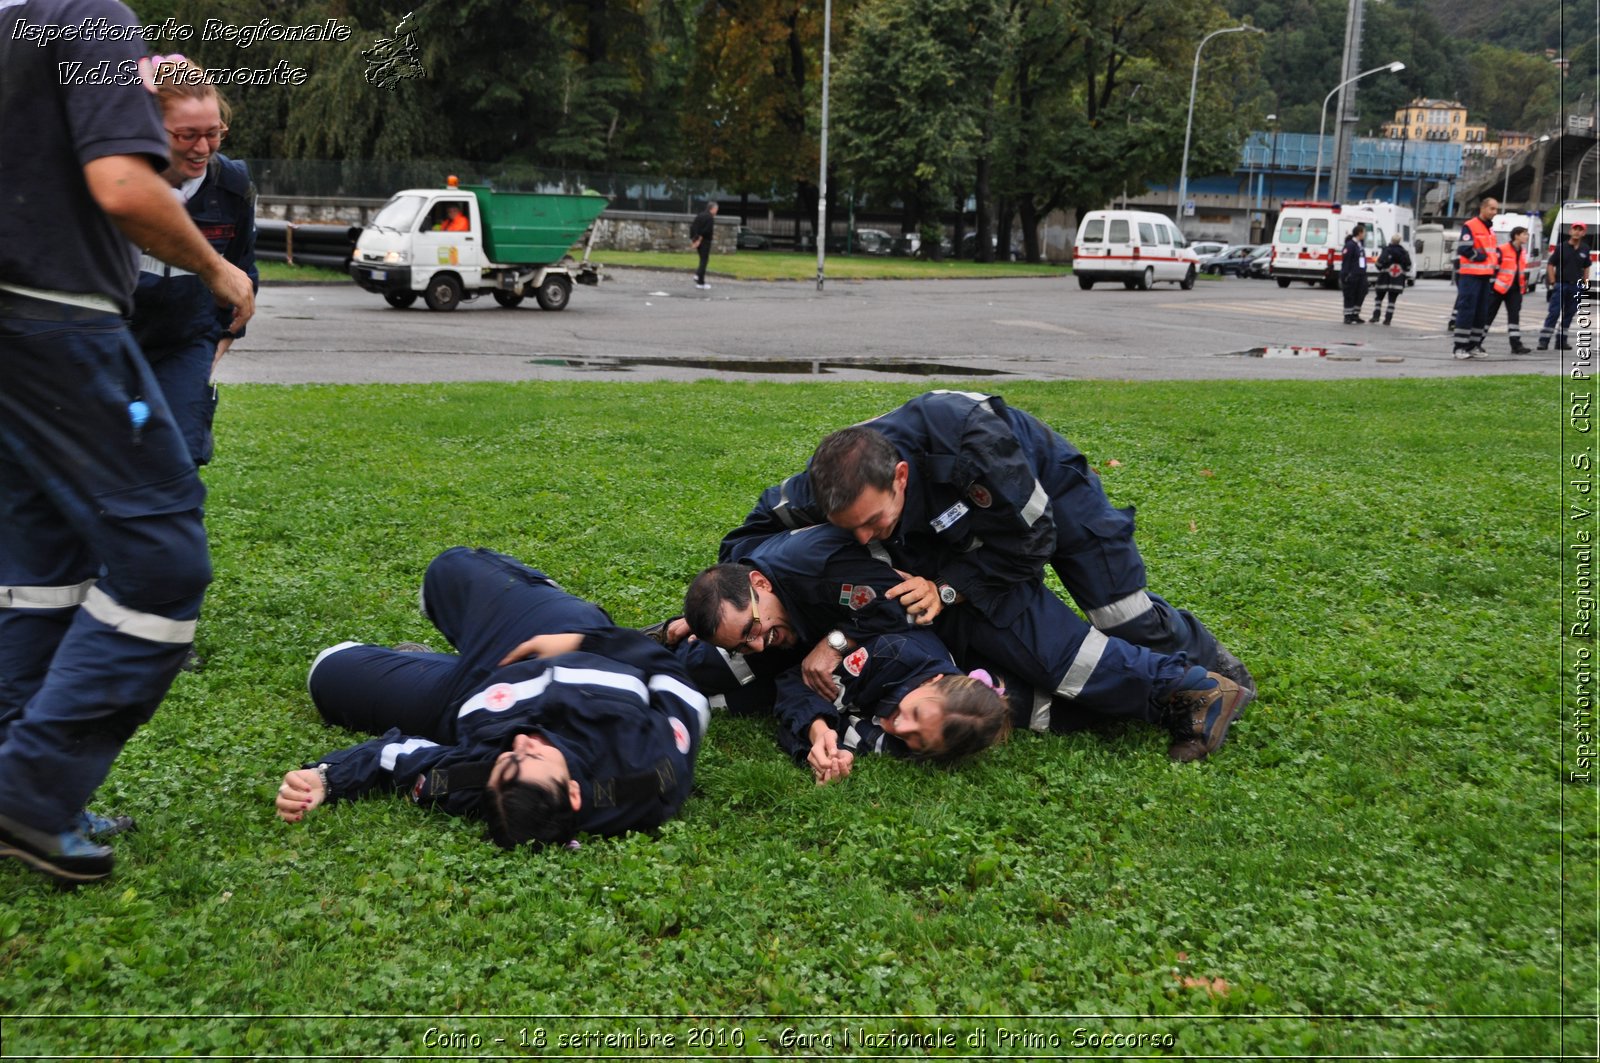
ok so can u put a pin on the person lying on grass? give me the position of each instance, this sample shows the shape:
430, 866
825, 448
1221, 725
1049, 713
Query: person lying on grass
548, 722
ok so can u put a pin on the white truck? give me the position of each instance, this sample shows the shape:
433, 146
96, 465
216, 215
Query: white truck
460, 242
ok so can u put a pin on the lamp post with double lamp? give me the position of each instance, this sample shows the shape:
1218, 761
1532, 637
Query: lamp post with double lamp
1188, 126
1322, 129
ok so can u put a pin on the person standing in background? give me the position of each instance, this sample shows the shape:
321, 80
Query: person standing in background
1394, 262
180, 328
702, 232
1353, 274
1509, 285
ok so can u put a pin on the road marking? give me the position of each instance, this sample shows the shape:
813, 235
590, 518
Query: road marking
1041, 325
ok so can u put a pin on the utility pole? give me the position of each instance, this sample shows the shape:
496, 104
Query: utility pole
1344, 127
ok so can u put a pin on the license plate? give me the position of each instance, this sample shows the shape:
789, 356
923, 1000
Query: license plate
379, 275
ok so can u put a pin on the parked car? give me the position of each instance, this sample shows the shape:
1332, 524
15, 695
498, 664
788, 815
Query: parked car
1260, 266
1235, 260
860, 242
752, 241
1208, 248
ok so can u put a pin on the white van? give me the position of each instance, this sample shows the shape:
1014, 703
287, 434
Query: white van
1391, 218
1571, 211
1534, 223
1136, 247
1310, 238
1434, 250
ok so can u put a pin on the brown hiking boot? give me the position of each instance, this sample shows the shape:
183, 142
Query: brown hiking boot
1200, 714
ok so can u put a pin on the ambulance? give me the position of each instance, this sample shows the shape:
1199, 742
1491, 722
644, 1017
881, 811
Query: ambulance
1309, 239
1136, 247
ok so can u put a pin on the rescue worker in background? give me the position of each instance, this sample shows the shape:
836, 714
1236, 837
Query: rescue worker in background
549, 722
1477, 257
1567, 277
1353, 274
181, 330
974, 497
1510, 284
1394, 263
455, 220
103, 555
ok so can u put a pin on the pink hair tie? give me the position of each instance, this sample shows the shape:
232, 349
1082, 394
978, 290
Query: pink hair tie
982, 676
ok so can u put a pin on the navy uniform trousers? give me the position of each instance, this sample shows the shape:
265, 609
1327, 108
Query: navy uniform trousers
103, 556
486, 604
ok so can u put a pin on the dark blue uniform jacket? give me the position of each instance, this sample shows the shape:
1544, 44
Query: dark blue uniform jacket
172, 311
621, 709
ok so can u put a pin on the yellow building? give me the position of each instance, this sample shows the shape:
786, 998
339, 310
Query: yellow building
1446, 120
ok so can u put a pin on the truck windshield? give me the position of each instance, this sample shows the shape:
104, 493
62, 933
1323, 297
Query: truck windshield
398, 213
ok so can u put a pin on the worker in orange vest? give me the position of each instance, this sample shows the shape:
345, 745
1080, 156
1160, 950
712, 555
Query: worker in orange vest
1510, 283
1477, 255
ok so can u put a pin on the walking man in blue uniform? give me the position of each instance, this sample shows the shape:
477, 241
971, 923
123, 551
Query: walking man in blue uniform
1477, 259
549, 721
1567, 277
103, 558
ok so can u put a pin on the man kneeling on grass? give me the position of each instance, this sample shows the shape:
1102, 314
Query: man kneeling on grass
550, 721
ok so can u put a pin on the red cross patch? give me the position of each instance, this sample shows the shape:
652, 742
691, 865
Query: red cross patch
862, 596
500, 696
680, 736
856, 661
980, 496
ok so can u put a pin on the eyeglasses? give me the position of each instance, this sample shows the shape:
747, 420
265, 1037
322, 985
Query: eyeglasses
752, 629
185, 137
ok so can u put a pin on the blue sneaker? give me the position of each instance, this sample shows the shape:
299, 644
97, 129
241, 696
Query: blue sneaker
1199, 713
69, 858
94, 825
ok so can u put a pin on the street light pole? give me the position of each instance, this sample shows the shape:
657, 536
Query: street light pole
1188, 126
822, 179
1393, 68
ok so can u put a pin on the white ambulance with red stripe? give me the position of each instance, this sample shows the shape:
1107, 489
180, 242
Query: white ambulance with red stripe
1310, 237
1136, 247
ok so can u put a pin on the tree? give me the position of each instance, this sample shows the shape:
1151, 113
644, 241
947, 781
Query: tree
910, 97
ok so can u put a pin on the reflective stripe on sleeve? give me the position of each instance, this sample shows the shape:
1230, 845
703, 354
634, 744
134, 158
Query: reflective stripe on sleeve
1038, 502
44, 597
1083, 664
493, 697
1040, 719
148, 626
1121, 611
686, 694
395, 750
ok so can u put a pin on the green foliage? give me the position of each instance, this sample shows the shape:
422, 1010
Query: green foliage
1383, 834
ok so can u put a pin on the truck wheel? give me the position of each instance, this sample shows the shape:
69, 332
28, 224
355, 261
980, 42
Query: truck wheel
554, 293
1283, 282
443, 292
399, 300
1147, 279
1086, 283
1188, 280
507, 299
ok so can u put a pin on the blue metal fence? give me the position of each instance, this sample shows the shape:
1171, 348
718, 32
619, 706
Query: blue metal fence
1369, 156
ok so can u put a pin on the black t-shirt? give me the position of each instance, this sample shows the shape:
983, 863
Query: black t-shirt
703, 227
52, 233
1570, 262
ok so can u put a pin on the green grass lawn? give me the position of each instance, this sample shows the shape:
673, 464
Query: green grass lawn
786, 265
1382, 850
297, 274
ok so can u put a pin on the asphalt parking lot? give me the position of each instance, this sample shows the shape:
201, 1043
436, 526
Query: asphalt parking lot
652, 325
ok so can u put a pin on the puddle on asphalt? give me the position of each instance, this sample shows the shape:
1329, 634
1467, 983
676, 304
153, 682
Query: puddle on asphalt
1332, 352
808, 367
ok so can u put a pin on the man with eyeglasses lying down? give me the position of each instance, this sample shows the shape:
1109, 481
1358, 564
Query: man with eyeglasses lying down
550, 721
769, 611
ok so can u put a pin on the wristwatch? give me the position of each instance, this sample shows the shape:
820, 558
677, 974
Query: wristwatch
837, 642
947, 594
